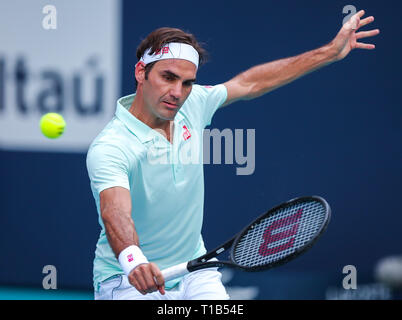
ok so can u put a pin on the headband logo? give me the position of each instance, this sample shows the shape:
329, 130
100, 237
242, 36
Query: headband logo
164, 50
172, 50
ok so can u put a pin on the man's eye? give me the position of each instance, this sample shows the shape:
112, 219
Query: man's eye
169, 78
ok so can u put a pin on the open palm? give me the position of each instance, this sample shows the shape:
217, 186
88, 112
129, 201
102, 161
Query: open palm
347, 38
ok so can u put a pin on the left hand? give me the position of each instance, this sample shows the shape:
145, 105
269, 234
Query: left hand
346, 39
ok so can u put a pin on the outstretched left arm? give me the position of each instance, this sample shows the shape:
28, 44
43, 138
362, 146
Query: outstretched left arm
264, 78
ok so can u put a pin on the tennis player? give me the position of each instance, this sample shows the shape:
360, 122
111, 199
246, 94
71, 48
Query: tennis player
150, 210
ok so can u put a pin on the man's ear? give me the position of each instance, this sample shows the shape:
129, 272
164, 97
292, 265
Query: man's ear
140, 72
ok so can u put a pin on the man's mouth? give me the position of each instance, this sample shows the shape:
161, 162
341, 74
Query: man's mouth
170, 105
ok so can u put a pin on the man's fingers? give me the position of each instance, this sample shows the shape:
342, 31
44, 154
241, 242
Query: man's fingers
367, 46
356, 23
353, 23
137, 280
366, 21
145, 278
158, 278
361, 13
148, 279
365, 34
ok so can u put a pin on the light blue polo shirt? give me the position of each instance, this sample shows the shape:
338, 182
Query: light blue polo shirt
166, 181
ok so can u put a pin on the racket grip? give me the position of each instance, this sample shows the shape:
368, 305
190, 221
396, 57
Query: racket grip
176, 271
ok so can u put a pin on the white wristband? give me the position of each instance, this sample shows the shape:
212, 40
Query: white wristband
130, 258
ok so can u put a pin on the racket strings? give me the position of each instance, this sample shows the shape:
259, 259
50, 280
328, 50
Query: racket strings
280, 234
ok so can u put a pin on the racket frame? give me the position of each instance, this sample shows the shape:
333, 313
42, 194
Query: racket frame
298, 251
203, 262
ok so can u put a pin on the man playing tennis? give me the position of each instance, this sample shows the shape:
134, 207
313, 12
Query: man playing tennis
151, 211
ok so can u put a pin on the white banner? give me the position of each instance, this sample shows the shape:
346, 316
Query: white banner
58, 56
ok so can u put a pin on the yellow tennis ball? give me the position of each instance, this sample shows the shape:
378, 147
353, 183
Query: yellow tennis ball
52, 125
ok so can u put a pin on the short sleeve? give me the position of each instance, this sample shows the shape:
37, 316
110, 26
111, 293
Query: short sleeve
204, 101
107, 167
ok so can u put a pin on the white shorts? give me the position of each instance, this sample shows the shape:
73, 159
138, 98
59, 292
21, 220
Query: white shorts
203, 284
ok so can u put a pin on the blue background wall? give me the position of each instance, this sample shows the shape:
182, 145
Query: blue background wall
335, 133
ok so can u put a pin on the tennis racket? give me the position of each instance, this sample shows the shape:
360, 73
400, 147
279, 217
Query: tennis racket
274, 238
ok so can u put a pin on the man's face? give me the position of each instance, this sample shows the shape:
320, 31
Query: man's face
168, 86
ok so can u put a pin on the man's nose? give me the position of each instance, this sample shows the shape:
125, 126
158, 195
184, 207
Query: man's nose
176, 91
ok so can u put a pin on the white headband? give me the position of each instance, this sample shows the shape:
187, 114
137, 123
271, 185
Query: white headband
172, 50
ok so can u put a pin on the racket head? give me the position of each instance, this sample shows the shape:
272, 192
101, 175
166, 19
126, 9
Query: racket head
281, 234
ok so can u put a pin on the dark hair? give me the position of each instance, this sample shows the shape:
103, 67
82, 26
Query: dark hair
159, 37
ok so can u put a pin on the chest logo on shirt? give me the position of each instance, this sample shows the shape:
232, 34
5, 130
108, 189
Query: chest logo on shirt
186, 133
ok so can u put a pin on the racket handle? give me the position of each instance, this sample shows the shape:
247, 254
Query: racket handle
176, 271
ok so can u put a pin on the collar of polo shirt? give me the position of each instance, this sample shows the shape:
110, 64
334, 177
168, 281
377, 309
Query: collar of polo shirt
136, 126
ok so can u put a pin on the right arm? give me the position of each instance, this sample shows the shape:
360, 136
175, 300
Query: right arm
115, 206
